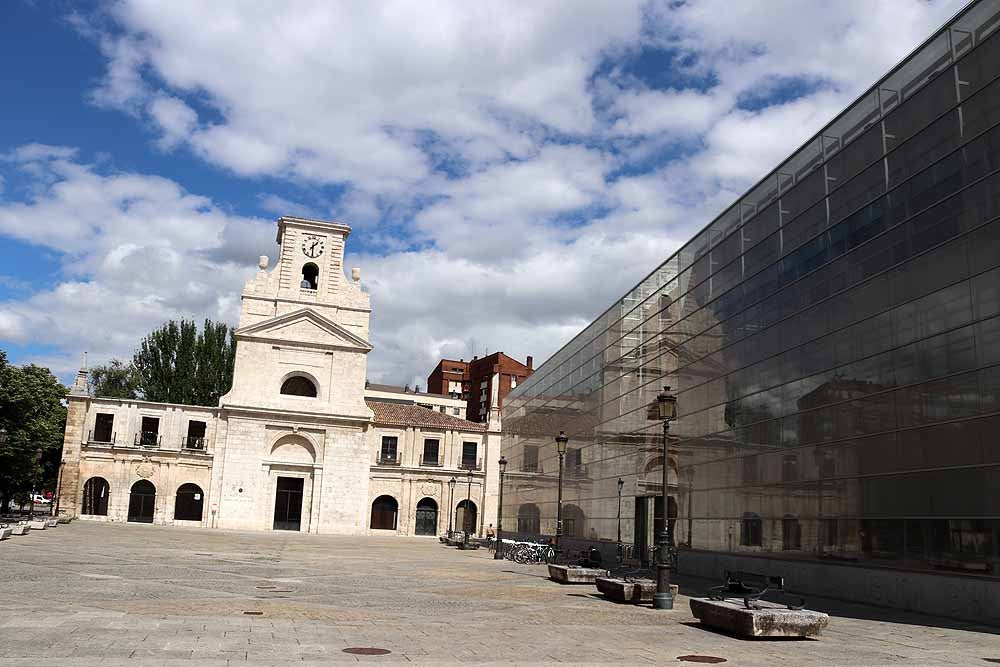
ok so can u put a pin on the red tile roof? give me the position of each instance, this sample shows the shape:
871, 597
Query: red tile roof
399, 414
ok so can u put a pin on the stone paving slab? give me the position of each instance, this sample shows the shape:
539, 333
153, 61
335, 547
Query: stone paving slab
113, 594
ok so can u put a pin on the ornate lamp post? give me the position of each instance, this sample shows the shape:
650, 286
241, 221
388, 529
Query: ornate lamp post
665, 409
561, 442
465, 514
498, 552
451, 504
621, 483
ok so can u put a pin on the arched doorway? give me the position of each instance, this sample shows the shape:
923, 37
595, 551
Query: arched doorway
427, 517
384, 511
189, 502
573, 520
95, 496
529, 519
141, 502
466, 520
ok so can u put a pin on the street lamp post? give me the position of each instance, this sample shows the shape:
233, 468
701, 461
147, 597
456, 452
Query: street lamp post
498, 551
665, 409
621, 483
465, 514
561, 442
451, 504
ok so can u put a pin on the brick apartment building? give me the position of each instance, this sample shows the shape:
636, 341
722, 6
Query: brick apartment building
482, 382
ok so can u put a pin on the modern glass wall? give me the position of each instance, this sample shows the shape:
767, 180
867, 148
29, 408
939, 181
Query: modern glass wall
833, 339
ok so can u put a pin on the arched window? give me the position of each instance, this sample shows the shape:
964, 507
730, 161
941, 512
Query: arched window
142, 501
751, 530
466, 520
298, 385
791, 533
189, 503
95, 496
427, 517
529, 519
384, 511
310, 276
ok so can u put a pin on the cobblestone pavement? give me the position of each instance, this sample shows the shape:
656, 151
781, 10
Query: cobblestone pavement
113, 594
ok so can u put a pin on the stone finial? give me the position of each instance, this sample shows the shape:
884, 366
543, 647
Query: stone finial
356, 274
262, 262
79, 387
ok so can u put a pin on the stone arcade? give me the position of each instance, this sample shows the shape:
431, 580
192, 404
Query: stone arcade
294, 445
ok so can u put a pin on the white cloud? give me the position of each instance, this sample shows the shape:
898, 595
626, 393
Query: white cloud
506, 183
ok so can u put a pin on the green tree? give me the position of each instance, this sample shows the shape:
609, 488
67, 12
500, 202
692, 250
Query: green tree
32, 423
115, 379
178, 364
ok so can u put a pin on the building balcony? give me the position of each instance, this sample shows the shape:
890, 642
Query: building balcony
101, 438
471, 464
431, 462
531, 467
387, 459
147, 440
193, 443
577, 471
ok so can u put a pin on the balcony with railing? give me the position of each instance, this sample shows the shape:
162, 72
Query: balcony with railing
576, 471
433, 461
100, 438
471, 464
147, 439
387, 458
193, 443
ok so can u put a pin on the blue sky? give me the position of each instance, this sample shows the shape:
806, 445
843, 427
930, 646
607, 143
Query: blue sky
509, 170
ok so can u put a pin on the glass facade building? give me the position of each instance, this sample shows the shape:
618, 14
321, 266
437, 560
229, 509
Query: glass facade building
833, 339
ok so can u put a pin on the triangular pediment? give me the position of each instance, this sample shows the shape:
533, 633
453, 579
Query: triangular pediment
305, 326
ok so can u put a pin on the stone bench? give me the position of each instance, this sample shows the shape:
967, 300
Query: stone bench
575, 574
632, 591
5, 533
20, 529
52, 523
65, 519
38, 524
765, 619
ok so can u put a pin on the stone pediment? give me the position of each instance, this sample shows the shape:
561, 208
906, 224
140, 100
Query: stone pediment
305, 326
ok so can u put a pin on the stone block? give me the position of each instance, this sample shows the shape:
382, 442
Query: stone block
38, 524
631, 591
769, 620
51, 523
574, 574
5, 533
20, 529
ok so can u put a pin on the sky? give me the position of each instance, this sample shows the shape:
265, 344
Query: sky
509, 169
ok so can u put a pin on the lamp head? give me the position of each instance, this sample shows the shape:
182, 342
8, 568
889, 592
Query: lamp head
621, 484
452, 482
561, 441
666, 405
503, 464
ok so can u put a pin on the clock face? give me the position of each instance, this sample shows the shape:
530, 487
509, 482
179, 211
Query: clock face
312, 246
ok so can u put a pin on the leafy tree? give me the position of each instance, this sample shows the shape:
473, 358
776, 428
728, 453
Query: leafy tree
32, 423
178, 364
116, 379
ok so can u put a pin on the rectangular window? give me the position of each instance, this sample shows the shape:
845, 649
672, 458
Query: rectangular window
431, 447
790, 468
103, 428
388, 454
469, 450
529, 462
149, 436
513, 381
456, 411
196, 435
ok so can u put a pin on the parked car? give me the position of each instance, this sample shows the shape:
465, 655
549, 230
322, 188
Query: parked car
39, 499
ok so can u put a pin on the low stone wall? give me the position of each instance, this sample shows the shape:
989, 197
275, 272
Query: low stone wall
968, 598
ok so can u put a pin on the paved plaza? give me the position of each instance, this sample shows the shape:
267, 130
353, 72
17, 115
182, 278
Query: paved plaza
128, 594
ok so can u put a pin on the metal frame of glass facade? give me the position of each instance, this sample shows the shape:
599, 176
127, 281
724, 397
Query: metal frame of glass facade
833, 339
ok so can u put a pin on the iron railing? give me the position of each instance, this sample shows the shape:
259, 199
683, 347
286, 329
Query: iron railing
388, 459
92, 439
472, 464
430, 462
194, 442
150, 439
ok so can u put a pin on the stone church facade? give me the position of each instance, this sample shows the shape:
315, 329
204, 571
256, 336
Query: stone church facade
295, 444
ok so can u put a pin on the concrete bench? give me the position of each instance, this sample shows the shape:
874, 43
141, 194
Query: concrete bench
20, 529
765, 619
575, 574
631, 591
38, 524
51, 523
6, 533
